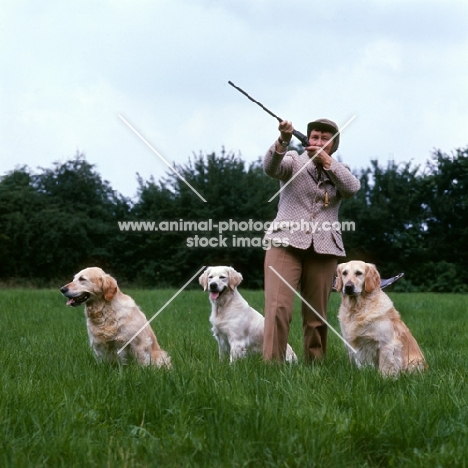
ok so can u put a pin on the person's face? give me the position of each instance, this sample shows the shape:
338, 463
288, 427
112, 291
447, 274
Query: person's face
319, 139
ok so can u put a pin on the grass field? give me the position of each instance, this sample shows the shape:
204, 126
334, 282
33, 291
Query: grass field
58, 407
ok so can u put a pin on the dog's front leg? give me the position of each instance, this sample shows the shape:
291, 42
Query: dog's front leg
390, 360
351, 353
238, 351
105, 353
223, 346
100, 351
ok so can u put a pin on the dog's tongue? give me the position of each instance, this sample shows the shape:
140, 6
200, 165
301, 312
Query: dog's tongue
70, 301
214, 295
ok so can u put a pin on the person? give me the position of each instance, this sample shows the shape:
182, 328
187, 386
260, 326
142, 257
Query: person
305, 237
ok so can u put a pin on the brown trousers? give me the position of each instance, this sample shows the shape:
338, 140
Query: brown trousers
314, 273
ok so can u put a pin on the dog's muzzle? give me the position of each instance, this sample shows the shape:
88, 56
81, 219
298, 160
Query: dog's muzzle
349, 289
214, 290
74, 300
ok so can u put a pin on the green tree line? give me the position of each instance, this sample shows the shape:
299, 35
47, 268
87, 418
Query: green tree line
55, 221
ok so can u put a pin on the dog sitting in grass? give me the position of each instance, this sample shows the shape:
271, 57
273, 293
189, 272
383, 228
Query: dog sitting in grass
113, 319
237, 327
371, 324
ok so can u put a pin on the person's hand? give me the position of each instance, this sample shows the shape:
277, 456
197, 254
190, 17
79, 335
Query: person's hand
286, 129
320, 156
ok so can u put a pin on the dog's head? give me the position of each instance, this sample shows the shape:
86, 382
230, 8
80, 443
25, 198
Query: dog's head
219, 279
88, 285
356, 277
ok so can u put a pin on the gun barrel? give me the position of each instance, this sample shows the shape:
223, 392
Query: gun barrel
256, 102
301, 137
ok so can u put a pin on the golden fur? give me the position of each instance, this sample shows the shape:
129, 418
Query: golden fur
112, 319
237, 327
371, 325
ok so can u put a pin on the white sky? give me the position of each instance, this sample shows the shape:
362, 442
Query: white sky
69, 68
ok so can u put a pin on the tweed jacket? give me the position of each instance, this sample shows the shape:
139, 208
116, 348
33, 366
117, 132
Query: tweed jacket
309, 201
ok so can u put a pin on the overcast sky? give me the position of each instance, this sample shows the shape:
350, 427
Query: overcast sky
70, 68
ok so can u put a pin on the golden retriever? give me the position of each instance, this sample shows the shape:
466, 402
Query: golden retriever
371, 325
112, 319
237, 327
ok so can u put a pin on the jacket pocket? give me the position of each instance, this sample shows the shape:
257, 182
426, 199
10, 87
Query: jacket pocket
338, 239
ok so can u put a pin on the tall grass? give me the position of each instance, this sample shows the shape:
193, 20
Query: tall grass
58, 407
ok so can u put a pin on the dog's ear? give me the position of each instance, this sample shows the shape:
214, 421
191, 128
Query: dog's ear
203, 280
235, 278
372, 280
339, 280
109, 287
